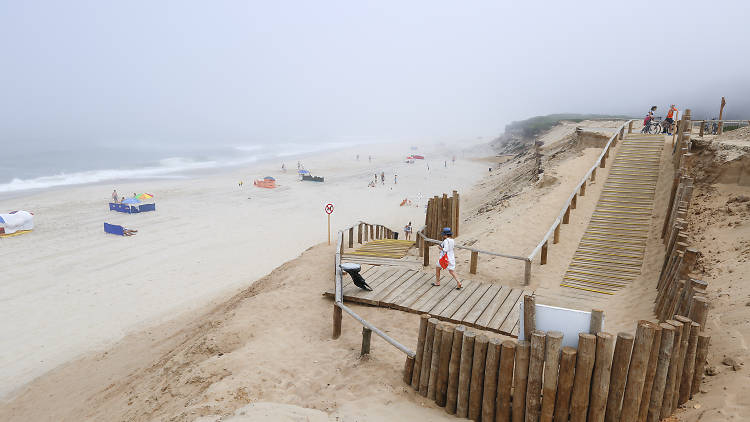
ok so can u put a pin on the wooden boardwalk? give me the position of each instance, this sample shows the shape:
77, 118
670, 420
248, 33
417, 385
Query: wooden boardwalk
486, 306
384, 248
610, 253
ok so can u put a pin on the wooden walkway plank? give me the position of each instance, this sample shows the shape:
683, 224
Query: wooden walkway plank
471, 317
464, 310
505, 309
385, 291
487, 314
411, 278
459, 300
513, 315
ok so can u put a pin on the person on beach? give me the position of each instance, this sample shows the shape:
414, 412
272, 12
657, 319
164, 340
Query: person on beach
369, 157
114, 196
407, 231
240, 184
669, 120
649, 117
395, 179
382, 177
283, 168
446, 249
128, 232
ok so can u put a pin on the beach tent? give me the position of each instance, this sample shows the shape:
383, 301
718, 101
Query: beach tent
16, 222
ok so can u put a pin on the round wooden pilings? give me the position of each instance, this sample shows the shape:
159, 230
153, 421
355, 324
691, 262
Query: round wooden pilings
520, 380
600, 379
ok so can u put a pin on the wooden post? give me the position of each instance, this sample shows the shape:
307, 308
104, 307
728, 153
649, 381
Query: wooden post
446, 344
473, 264
618, 376
551, 364
603, 163
453, 367
336, 322
341, 244
408, 369
444, 212
662, 372
366, 335
556, 236
699, 311
721, 128
544, 254
666, 404
689, 366
593, 175
597, 319
434, 361
504, 381
426, 254
700, 132
477, 378
579, 400
684, 340
464, 374
424, 377
529, 316
534, 383
574, 202
372, 232
420, 350
565, 384
489, 394
644, 338
605, 344
566, 216
527, 272
650, 373
359, 233
622, 133
701, 353
329, 230
520, 380
351, 237
456, 217
583, 189
630, 126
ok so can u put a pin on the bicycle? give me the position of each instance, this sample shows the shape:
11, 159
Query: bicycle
653, 127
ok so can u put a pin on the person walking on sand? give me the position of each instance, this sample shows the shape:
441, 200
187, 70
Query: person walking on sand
114, 196
407, 231
382, 177
446, 254
241, 183
395, 178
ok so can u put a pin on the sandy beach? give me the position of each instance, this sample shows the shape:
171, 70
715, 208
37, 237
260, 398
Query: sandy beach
72, 288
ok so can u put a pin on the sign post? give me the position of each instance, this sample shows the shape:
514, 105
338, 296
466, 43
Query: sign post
329, 211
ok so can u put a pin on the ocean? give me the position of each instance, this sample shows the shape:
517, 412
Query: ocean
29, 169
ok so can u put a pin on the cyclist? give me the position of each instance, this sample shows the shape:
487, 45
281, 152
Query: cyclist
669, 121
649, 117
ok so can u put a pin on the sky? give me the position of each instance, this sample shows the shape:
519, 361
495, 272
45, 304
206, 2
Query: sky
196, 72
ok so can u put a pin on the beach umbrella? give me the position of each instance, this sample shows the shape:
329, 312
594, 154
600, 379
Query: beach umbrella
145, 196
131, 201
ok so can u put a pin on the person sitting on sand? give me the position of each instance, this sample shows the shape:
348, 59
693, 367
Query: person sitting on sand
407, 231
128, 232
446, 249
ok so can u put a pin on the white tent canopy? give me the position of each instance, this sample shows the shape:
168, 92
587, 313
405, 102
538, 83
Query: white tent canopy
16, 221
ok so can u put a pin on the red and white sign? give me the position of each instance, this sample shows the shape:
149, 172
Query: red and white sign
329, 209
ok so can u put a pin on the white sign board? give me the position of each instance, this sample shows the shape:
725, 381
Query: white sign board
570, 322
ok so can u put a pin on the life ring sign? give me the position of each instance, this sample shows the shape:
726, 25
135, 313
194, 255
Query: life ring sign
329, 209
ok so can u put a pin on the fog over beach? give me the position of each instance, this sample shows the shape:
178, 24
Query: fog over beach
212, 303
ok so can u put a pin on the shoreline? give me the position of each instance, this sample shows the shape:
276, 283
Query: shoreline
90, 273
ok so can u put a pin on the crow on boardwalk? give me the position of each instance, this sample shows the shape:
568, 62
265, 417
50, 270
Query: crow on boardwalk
353, 271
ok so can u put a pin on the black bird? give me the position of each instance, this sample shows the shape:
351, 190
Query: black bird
353, 271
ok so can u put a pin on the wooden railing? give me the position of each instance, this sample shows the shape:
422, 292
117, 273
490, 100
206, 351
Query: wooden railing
375, 232
580, 189
424, 250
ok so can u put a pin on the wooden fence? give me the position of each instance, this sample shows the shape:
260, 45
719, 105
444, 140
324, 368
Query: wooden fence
678, 294
628, 378
375, 231
442, 212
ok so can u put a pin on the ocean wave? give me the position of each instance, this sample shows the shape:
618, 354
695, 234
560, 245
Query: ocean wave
168, 166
